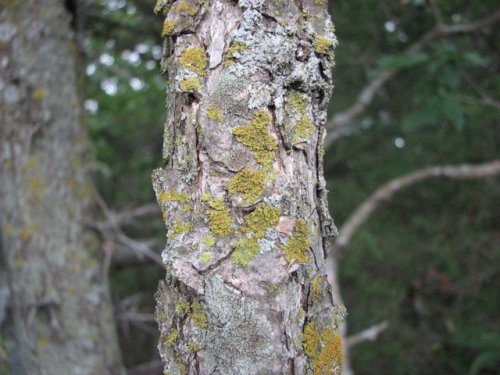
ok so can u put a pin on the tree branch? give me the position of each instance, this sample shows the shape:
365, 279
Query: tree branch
384, 193
387, 191
111, 230
340, 124
369, 334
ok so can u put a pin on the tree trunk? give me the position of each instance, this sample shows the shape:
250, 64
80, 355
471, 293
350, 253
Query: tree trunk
242, 189
55, 310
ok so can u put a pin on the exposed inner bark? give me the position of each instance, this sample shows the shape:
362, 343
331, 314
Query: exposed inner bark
242, 189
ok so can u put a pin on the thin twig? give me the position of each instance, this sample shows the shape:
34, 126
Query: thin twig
369, 334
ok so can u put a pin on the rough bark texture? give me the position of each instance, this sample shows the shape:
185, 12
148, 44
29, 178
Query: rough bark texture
242, 189
55, 311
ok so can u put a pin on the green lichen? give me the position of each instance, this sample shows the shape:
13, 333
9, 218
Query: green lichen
195, 60
205, 258
298, 244
173, 196
246, 249
304, 129
324, 350
322, 45
316, 287
172, 337
182, 307
209, 241
190, 84
159, 7
179, 228
298, 101
257, 138
186, 8
249, 184
199, 316
214, 114
234, 49
168, 27
262, 218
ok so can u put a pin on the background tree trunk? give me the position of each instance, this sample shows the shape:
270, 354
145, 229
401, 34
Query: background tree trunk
242, 189
55, 309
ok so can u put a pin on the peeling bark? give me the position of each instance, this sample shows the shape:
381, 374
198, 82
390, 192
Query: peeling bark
55, 311
242, 190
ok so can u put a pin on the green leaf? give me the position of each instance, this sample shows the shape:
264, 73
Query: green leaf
453, 112
474, 58
404, 60
419, 118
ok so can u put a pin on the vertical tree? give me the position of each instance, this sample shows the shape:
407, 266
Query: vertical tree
55, 309
242, 189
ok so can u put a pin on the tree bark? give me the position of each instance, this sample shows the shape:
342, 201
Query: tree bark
55, 311
242, 189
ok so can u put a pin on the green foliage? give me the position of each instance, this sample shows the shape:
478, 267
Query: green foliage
425, 261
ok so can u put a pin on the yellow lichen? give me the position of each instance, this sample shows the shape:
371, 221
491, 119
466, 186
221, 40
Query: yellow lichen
185, 7
316, 287
246, 249
190, 84
298, 244
249, 184
219, 218
173, 196
168, 27
172, 337
182, 307
214, 114
234, 49
209, 241
324, 349
322, 45
257, 138
199, 316
311, 340
193, 348
263, 217
298, 101
304, 129
195, 60
39, 94
179, 228
220, 222
25, 234
159, 7
205, 258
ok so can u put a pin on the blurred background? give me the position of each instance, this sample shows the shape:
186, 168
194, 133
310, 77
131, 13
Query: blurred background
417, 85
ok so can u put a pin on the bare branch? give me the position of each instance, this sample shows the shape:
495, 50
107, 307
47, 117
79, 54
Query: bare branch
387, 191
369, 334
340, 124
384, 193
436, 12
486, 99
